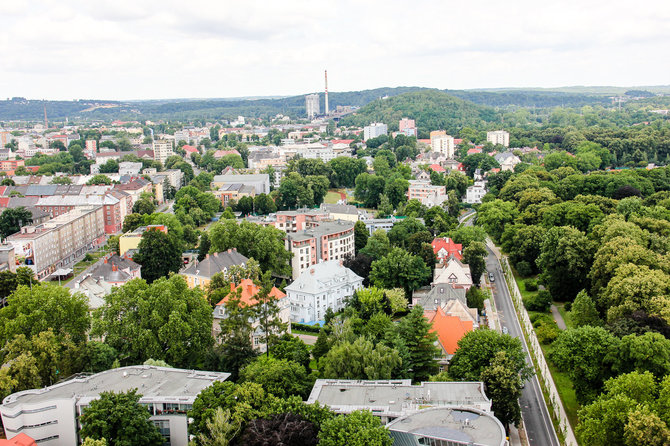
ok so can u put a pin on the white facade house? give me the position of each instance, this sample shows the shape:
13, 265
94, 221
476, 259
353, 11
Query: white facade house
498, 137
475, 193
325, 285
51, 415
507, 160
443, 144
374, 130
162, 150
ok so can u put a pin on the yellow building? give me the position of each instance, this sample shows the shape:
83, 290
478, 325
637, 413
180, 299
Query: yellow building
131, 240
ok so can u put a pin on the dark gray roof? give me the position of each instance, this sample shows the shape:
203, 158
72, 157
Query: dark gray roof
215, 263
107, 272
438, 296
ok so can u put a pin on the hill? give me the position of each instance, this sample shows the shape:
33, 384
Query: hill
432, 109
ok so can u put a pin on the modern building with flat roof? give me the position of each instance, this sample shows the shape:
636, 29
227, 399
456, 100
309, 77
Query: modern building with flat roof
448, 426
51, 415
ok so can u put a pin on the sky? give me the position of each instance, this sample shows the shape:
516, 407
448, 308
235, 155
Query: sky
154, 49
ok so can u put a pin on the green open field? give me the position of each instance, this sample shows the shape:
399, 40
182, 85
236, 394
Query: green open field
333, 196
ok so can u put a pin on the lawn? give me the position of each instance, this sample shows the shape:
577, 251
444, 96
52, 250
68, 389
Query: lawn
333, 196
83, 264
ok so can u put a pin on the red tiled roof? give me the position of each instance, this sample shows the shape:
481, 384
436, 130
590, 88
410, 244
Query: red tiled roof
474, 150
449, 329
249, 290
453, 249
342, 141
19, 440
437, 168
189, 149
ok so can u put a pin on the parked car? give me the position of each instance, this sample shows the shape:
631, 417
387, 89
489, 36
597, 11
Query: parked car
491, 277
505, 330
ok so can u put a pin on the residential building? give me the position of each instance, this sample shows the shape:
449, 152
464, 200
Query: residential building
129, 168
475, 193
453, 272
174, 176
130, 241
51, 414
328, 241
260, 182
312, 107
449, 329
162, 150
60, 241
498, 137
445, 247
300, 219
19, 440
247, 292
427, 193
392, 399
91, 146
9, 166
507, 160
199, 274
345, 212
442, 143
114, 271
7, 258
116, 205
233, 192
407, 127
324, 285
135, 188
374, 130
450, 426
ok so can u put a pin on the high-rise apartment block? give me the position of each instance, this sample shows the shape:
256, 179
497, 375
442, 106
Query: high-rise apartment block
407, 127
442, 143
374, 130
162, 150
498, 137
312, 105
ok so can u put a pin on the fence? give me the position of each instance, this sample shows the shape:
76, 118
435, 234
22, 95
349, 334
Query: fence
546, 380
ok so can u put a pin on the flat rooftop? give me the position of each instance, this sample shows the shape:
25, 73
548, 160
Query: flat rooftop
151, 382
396, 397
469, 427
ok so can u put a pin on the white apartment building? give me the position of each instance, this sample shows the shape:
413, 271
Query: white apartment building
442, 143
325, 285
374, 130
330, 240
475, 193
312, 106
428, 194
162, 150
498, 137
51, 415
60, 241
182, 135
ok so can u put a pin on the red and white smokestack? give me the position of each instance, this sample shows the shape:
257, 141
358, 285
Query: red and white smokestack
326, 92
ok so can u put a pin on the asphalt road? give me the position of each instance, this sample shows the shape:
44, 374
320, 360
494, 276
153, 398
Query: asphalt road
537, 422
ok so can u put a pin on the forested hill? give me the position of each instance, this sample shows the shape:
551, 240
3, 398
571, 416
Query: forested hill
190, 109
432, 109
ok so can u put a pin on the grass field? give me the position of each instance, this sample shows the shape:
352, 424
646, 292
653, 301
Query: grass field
333, 196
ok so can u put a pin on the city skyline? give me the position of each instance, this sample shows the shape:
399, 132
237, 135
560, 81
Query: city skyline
161, 49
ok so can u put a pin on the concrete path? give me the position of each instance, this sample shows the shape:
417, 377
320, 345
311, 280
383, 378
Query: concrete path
307, 339
558, 318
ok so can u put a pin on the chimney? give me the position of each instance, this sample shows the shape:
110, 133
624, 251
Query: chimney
115, 268
105, 260
206, 256
311, 271
216, 254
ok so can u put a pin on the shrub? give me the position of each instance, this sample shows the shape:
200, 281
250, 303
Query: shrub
547, 332
524, 269
530, 284
540, 302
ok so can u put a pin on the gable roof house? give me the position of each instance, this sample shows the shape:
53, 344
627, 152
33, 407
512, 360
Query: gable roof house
453, 272
449, 330
445, 247
200, 273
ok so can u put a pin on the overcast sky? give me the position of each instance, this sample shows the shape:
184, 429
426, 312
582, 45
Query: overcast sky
147, 49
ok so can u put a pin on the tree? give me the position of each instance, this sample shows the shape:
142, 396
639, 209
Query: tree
292, 348
345, 170
400, 269
159, 254
165, 320
120, 419
415, 332
649, 352
584, 354
467, 234
645, 427
264, 204
111, 166
99, 179
11, 220
61, 180
279, 377
132, 222
359, 428
361, 235
32, 311
359, 360
266, 312
245, 205
494, 215
565, 260
475, 256
476, 349
221, 428
285, 429
378, 245
503, 387
235, 349
400, 232
203, 248
263, 243
584, 311
144, 205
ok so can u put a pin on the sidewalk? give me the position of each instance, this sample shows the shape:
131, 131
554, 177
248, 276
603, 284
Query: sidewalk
557, 317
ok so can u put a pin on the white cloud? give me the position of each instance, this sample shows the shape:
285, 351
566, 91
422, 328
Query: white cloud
123, 49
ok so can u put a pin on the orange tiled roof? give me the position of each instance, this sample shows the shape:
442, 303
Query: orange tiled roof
449, 329
249, 290
19, 440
